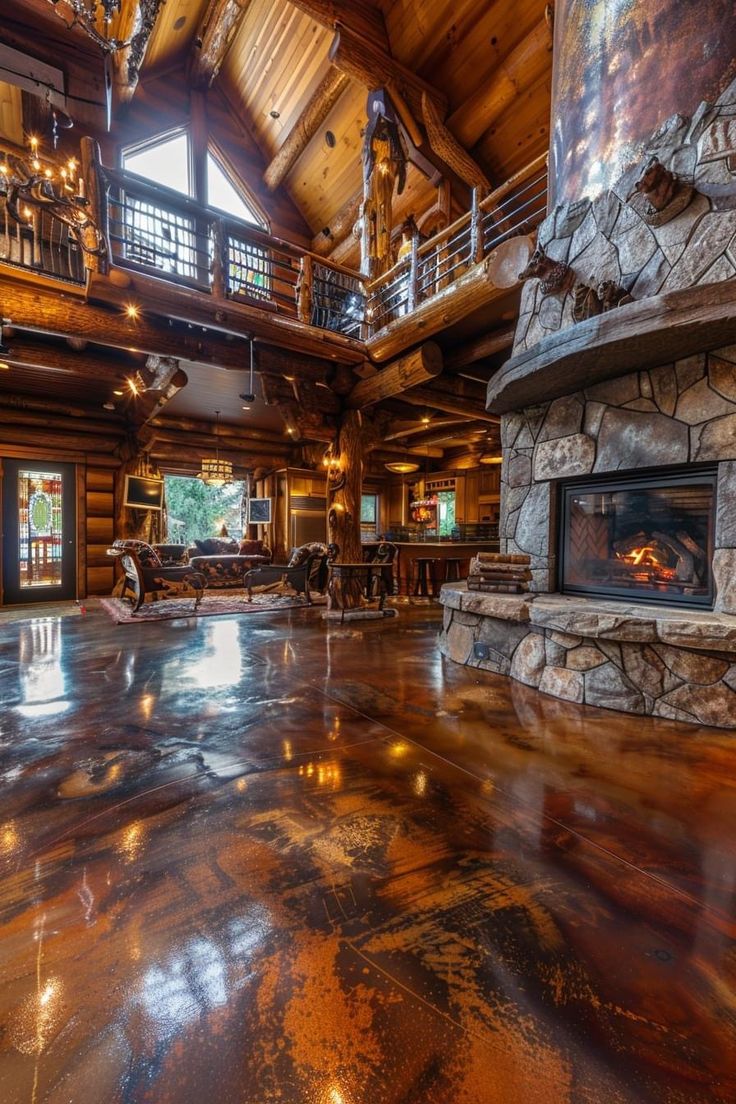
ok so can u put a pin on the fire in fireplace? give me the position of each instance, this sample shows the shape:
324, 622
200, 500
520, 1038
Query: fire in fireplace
647, 539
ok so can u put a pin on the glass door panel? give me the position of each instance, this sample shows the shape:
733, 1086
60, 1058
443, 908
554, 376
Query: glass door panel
39, 520
40, 528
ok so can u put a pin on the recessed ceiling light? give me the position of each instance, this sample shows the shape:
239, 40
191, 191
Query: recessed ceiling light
108, 406
4, 366
180, 22
245, 408
330, 139
275, 114
118, 393
132, 310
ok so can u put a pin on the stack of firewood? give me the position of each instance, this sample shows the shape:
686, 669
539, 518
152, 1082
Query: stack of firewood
499, 573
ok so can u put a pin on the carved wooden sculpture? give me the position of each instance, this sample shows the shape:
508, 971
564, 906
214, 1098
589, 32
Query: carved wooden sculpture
665, 194
384, 164
554, 277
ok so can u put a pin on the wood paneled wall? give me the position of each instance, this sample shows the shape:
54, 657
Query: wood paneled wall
99, 526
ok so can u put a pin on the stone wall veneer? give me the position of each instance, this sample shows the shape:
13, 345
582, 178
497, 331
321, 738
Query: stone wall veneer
617, 237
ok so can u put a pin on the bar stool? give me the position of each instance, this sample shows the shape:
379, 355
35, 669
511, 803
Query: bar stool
425, 569
453, 569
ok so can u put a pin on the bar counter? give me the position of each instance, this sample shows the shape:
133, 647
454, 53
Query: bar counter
438, 549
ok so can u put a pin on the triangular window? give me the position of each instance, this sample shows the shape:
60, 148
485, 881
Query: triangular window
222, 194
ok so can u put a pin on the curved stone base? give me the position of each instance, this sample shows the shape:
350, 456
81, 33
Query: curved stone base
637, 659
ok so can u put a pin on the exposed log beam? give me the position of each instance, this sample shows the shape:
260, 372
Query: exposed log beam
215, 33
469, 293
281, 362
418, 366
448, 149
517, 71
238, 319
451, 438
92, 363
180, 458
325, 96
51, 311
375, 68
169, 382
211, 441
480, 348
435, 400
362, 18
340, 227
400, 430
240, 433
141, 20
14, 415
387, 452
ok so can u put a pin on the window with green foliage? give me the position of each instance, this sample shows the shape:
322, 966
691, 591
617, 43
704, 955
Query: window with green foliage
446, 513
369, 509
195, 511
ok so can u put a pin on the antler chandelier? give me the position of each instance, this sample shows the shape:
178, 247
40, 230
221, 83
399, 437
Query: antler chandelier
60, 193
95, 17
216, 472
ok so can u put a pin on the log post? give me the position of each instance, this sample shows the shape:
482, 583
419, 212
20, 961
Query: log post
97, 200
304, 290
345, 492
219, 260
476, 229
413, 271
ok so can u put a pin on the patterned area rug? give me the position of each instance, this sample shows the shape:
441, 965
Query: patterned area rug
39, 611
212, 605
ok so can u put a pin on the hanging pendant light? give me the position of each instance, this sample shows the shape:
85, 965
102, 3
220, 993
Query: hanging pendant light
216, 472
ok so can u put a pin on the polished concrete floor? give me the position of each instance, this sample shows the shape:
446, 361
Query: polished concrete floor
259, 860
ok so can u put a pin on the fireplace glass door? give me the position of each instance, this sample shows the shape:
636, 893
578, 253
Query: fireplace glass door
646, 539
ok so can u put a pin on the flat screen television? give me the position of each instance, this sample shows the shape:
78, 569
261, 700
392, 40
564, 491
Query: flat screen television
143, 492
259, 511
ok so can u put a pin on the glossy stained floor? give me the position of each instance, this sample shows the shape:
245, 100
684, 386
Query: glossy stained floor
261, 860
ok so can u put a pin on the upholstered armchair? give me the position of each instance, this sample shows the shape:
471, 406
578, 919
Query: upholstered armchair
147, 579
306, 571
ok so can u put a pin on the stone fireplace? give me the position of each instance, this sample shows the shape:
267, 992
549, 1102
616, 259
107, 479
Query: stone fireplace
618, 427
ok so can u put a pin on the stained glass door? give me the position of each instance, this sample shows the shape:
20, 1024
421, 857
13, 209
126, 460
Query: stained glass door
39, 545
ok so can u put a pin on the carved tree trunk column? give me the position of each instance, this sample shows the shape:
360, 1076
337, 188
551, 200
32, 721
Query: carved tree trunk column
378, 212
344, 507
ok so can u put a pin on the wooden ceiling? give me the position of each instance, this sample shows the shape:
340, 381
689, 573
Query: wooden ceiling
488, 61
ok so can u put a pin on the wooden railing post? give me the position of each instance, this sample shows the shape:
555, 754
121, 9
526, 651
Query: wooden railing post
304, 289
219, 260
96, 193
476, 229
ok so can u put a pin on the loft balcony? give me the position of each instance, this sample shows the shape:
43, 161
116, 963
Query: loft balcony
177, 259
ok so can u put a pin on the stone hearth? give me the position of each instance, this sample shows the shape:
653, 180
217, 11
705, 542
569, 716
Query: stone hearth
635, 658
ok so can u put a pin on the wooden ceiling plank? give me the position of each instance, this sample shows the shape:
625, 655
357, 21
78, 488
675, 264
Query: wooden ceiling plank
320, 105
525, 62
213, 38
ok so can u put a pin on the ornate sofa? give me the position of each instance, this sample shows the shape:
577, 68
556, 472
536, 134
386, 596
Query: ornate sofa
147, 579
224, 563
